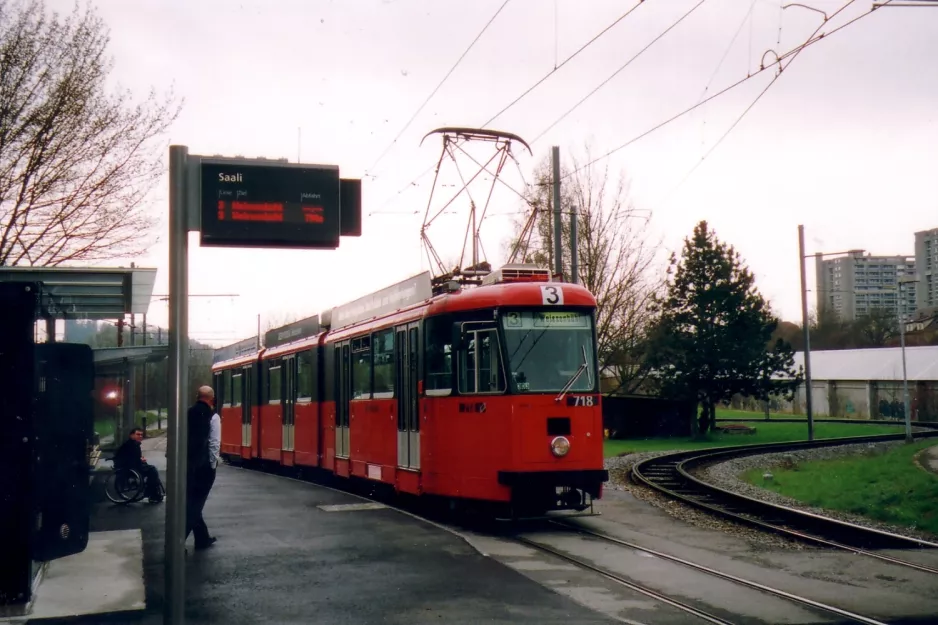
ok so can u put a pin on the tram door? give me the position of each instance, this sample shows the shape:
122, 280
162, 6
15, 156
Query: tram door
238, 391
288, 402
407, 353
343, 380
247, 404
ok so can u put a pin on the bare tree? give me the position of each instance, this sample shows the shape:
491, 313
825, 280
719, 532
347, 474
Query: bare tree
615, 258
278, 320
76, 161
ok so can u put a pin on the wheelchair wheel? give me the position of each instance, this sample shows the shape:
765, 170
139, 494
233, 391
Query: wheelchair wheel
124, 486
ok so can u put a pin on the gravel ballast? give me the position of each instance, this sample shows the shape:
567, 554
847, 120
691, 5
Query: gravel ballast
620, 468
727, 475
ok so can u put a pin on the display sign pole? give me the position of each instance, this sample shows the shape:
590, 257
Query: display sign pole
233, 202
174, 597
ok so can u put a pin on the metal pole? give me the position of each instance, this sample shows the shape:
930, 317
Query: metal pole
161, 399
146, 414
808, 407
905, 378
558, 243
175, 590
574, 246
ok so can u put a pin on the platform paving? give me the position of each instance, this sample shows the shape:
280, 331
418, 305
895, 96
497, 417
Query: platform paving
107, 577
293, 552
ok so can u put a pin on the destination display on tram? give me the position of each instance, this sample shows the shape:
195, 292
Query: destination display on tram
276, 205
517, 320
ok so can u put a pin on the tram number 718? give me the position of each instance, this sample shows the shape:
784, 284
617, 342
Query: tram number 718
582, 400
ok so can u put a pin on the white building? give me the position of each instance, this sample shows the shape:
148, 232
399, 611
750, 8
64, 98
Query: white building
867, 383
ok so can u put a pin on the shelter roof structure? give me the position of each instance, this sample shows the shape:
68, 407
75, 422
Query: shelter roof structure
109, 359
88, 292
882, 364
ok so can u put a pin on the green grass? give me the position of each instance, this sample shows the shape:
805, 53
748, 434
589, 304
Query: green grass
104, 427
888, 487
767, 432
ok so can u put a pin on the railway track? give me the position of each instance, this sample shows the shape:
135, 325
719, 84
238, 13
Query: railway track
915, 424
622, 581
671, 474
843, 615
678, 603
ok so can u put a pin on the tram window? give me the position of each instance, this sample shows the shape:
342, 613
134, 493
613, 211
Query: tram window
274, 392
361, 368
236, 381
250, 394
226, 389
384, 364
480, 368
439, 355
329, 374
305, 375
219, 382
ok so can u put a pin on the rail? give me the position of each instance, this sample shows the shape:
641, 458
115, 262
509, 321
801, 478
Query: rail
671, 474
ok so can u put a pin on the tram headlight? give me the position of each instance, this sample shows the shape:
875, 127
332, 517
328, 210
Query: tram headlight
560, 446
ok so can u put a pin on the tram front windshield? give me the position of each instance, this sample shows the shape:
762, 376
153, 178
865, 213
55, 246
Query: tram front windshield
546, 350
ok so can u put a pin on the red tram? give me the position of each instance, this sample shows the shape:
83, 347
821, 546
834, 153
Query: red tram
487, 393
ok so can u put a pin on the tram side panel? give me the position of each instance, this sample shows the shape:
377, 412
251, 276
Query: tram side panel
308, 432
270, 422
372, 437
372, 409
229, 411
327, 407
466, 440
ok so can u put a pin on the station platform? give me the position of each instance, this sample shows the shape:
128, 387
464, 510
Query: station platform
293, 552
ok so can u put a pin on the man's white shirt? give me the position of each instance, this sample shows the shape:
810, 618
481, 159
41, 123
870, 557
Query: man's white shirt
214, 440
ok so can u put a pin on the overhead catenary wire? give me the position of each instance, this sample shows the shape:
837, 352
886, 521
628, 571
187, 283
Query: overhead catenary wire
727, 89
726, 52
619, 71
562, 63
739, 29
778, 74
526, 92
437, 88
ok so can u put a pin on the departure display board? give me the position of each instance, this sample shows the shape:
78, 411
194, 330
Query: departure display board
278, 205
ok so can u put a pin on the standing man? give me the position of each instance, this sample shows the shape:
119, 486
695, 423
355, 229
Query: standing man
200, 475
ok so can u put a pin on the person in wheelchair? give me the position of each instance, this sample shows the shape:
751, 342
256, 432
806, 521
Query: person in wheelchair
129, 456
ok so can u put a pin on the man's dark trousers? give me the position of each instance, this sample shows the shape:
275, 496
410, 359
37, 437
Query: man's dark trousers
198, 486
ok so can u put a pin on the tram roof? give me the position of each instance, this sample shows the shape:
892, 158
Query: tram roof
509, 294
515, 294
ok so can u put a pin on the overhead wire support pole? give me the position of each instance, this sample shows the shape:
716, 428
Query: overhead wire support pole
558, 226
902, 280
808, 406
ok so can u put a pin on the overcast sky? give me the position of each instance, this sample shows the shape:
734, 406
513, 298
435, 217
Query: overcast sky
845, 142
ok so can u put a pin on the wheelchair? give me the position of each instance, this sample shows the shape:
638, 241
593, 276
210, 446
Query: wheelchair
125, 486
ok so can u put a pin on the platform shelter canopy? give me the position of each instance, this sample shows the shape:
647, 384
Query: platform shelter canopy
88, 292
